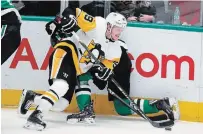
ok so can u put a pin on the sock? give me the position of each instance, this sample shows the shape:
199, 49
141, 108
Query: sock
83, 97
60, 105
83, 94
121, 109
37, 99
144, 105
47, 100
44, 106
56, 91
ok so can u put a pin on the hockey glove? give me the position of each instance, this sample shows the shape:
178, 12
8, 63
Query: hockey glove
61, 25
97, 52
53, 26
68, 24
102, 73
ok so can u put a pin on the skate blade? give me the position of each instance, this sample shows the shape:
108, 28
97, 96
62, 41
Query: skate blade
72, 121
33, 126
22, 98
89, 120
85, 121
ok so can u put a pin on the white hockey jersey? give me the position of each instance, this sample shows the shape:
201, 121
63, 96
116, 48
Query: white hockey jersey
92, 30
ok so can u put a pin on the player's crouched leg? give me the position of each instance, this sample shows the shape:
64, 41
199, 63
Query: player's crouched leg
57, 89
85, 105
62, 76
168, 105
64, 101
30, 98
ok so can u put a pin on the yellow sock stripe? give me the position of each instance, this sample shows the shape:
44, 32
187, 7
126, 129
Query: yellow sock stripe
51, 96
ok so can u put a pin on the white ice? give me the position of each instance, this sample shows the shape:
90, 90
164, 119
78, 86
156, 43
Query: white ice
12, 123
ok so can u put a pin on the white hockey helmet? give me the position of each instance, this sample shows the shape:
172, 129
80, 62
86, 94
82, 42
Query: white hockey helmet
116, 19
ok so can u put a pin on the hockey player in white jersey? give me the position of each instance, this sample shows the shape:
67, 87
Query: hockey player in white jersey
71, 63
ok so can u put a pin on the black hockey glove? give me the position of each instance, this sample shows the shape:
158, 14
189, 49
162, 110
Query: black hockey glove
53, 26
68, 24
102, 73
99, 83
69, 21
97, 52
64, 25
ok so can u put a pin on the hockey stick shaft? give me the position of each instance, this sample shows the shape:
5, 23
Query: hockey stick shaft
136, 108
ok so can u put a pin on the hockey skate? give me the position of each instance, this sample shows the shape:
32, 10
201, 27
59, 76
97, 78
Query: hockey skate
35, 121
26, 101
169, 106
86, 115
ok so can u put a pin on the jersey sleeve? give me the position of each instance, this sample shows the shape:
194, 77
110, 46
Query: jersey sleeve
85, 21
122, 75
111, 63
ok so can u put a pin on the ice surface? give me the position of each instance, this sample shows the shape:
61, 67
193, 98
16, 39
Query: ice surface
12, 123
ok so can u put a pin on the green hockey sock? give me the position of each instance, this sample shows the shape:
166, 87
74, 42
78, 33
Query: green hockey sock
121, 109
83, 94
144, 105
83, 100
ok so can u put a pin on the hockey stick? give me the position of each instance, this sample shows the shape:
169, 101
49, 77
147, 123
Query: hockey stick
156, 118
135, 108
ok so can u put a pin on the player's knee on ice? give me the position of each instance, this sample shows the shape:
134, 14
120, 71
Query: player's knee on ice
60, 87
121, 109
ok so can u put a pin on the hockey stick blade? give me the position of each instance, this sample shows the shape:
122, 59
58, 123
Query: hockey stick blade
165, 124
159, 117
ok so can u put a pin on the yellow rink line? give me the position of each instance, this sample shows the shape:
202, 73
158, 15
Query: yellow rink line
190, 111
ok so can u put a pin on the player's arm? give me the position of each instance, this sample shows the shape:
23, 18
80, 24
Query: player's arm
85, 21
122, 72
71, 20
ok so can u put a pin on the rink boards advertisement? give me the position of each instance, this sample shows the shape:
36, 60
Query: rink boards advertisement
165, 62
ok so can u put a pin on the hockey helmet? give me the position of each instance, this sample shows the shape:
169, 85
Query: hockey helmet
116, 19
